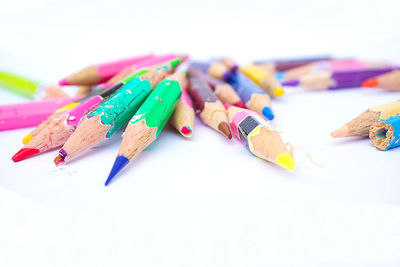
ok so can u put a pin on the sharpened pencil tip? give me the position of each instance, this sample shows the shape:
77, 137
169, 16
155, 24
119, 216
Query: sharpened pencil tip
63, 82
227, 75
27, 139
59, 160
24, 153
286, 161
227, 106
278, 92
224, 128
280, 76
119, 164
341, 132
372, 82
186, 131
291, 83
268, 113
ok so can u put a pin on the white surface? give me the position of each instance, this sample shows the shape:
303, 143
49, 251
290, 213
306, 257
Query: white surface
207, 202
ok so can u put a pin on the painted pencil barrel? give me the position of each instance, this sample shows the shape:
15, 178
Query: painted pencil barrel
159, 106
121, 106
19, 84
385, 134
264, 79
252, 95
30, 114
326, 80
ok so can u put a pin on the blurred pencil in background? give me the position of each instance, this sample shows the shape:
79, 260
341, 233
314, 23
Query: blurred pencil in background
100, 73
388, 81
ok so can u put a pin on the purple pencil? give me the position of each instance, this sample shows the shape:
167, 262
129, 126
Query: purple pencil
328, 80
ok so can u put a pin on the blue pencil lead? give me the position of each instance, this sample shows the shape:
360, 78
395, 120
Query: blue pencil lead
268, 113
119, 164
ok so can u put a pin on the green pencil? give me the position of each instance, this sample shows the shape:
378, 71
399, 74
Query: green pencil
19, 84
149, 120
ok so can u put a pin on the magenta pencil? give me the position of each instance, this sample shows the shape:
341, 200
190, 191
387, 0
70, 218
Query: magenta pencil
101, 73
155, 60
31, 113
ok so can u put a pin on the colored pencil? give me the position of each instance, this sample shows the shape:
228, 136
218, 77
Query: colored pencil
29, 88
332, 80
261, 139
28, 114
100, 73
222, 90
62, 110
58, 112
56, 133
148, 121
147, 63
330, 65
360, 125
385, 134
389, 81
229, 63
208, 106
264, 79
252, 95
111, 115
183, 117
214, 69
19, 84
278, 65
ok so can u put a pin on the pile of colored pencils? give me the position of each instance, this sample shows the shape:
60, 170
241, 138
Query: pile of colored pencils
146, 92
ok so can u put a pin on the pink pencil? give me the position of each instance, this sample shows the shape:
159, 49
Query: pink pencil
142, 64
183, 117
30, 114
101, 73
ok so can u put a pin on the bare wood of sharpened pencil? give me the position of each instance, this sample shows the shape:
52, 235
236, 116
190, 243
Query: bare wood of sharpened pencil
45, 138
360, 125
45, 123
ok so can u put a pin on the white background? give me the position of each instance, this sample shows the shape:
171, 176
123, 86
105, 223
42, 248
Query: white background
204, 201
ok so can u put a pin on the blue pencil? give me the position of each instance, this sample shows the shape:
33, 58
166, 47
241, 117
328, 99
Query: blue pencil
385, 134
252, 95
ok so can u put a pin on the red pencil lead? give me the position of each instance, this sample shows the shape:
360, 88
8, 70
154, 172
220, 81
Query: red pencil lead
24, 153
372, 82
